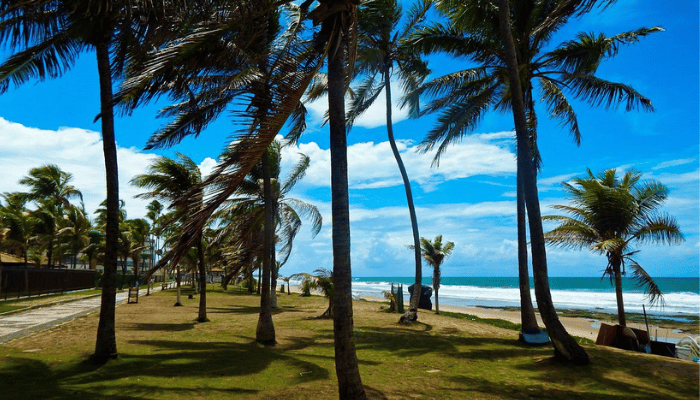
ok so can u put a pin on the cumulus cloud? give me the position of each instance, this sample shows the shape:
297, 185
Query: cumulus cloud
372, 165
374, 116
74, 150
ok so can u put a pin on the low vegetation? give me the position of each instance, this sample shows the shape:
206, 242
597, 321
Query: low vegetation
165, 354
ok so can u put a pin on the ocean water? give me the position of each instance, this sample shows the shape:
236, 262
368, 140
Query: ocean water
681, 295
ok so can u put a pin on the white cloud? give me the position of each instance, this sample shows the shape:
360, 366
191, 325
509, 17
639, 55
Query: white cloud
673, 163
374, 116
77, 151
372, 165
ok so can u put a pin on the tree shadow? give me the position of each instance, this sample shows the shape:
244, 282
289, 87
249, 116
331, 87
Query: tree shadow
160, 327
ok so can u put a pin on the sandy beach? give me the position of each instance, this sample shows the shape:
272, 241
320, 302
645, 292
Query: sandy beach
582, 327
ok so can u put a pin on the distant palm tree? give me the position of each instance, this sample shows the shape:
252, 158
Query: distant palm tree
18, 223
321, 280
608, 215
77, 231
435, 253
177, 181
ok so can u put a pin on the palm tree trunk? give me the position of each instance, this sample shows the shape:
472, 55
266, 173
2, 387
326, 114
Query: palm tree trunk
265, 332
437, 303
412, 314
136, 270
565, 346
346, 366
621, 320
202, 315
178, 300
106, 342
528, 319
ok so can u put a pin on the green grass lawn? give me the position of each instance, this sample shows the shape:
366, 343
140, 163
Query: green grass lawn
164, 354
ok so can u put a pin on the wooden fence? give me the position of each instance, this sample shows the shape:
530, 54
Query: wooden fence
20, 281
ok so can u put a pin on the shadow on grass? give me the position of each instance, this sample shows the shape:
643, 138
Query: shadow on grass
202, 361
161, 327
407, 342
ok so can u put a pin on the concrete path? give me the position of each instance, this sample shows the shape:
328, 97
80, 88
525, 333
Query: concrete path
20, 324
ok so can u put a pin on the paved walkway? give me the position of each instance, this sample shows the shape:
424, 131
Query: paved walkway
23, 323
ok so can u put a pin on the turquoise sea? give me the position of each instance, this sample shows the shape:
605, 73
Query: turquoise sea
681, 295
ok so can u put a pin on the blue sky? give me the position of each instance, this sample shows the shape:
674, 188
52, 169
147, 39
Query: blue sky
469, 198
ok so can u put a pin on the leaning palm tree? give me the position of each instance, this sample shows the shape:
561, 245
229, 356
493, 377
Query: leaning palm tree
294, 67
435, 253
608, 215
321, 280
176, 181
245, 212
48, 37
465, 96
381, 54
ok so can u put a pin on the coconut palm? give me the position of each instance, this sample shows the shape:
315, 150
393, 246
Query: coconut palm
134, 234
465, 96
609, 215
77, 231
48, 37
176, 181
380, 55
18, 223
435, 253
245, 213
50, 183
321, 280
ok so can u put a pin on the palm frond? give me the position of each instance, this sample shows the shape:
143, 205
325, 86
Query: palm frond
600, 92
559, 108
643, 279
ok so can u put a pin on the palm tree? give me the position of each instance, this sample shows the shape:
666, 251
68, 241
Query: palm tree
49, 36
465, 96
50, 183
379, 53
50, 188
321, 280
608, 215
154, 211
435, 253
565, 347
134, 233
76, 231
338, 20
19, 222
177, 181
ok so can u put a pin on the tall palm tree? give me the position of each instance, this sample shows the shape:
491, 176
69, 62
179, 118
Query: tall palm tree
177, 181
380, 54
48, 37
435, 253
465, 96
608, 215
565, 347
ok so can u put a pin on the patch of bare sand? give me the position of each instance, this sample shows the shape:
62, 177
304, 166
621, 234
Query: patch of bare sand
582, 327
